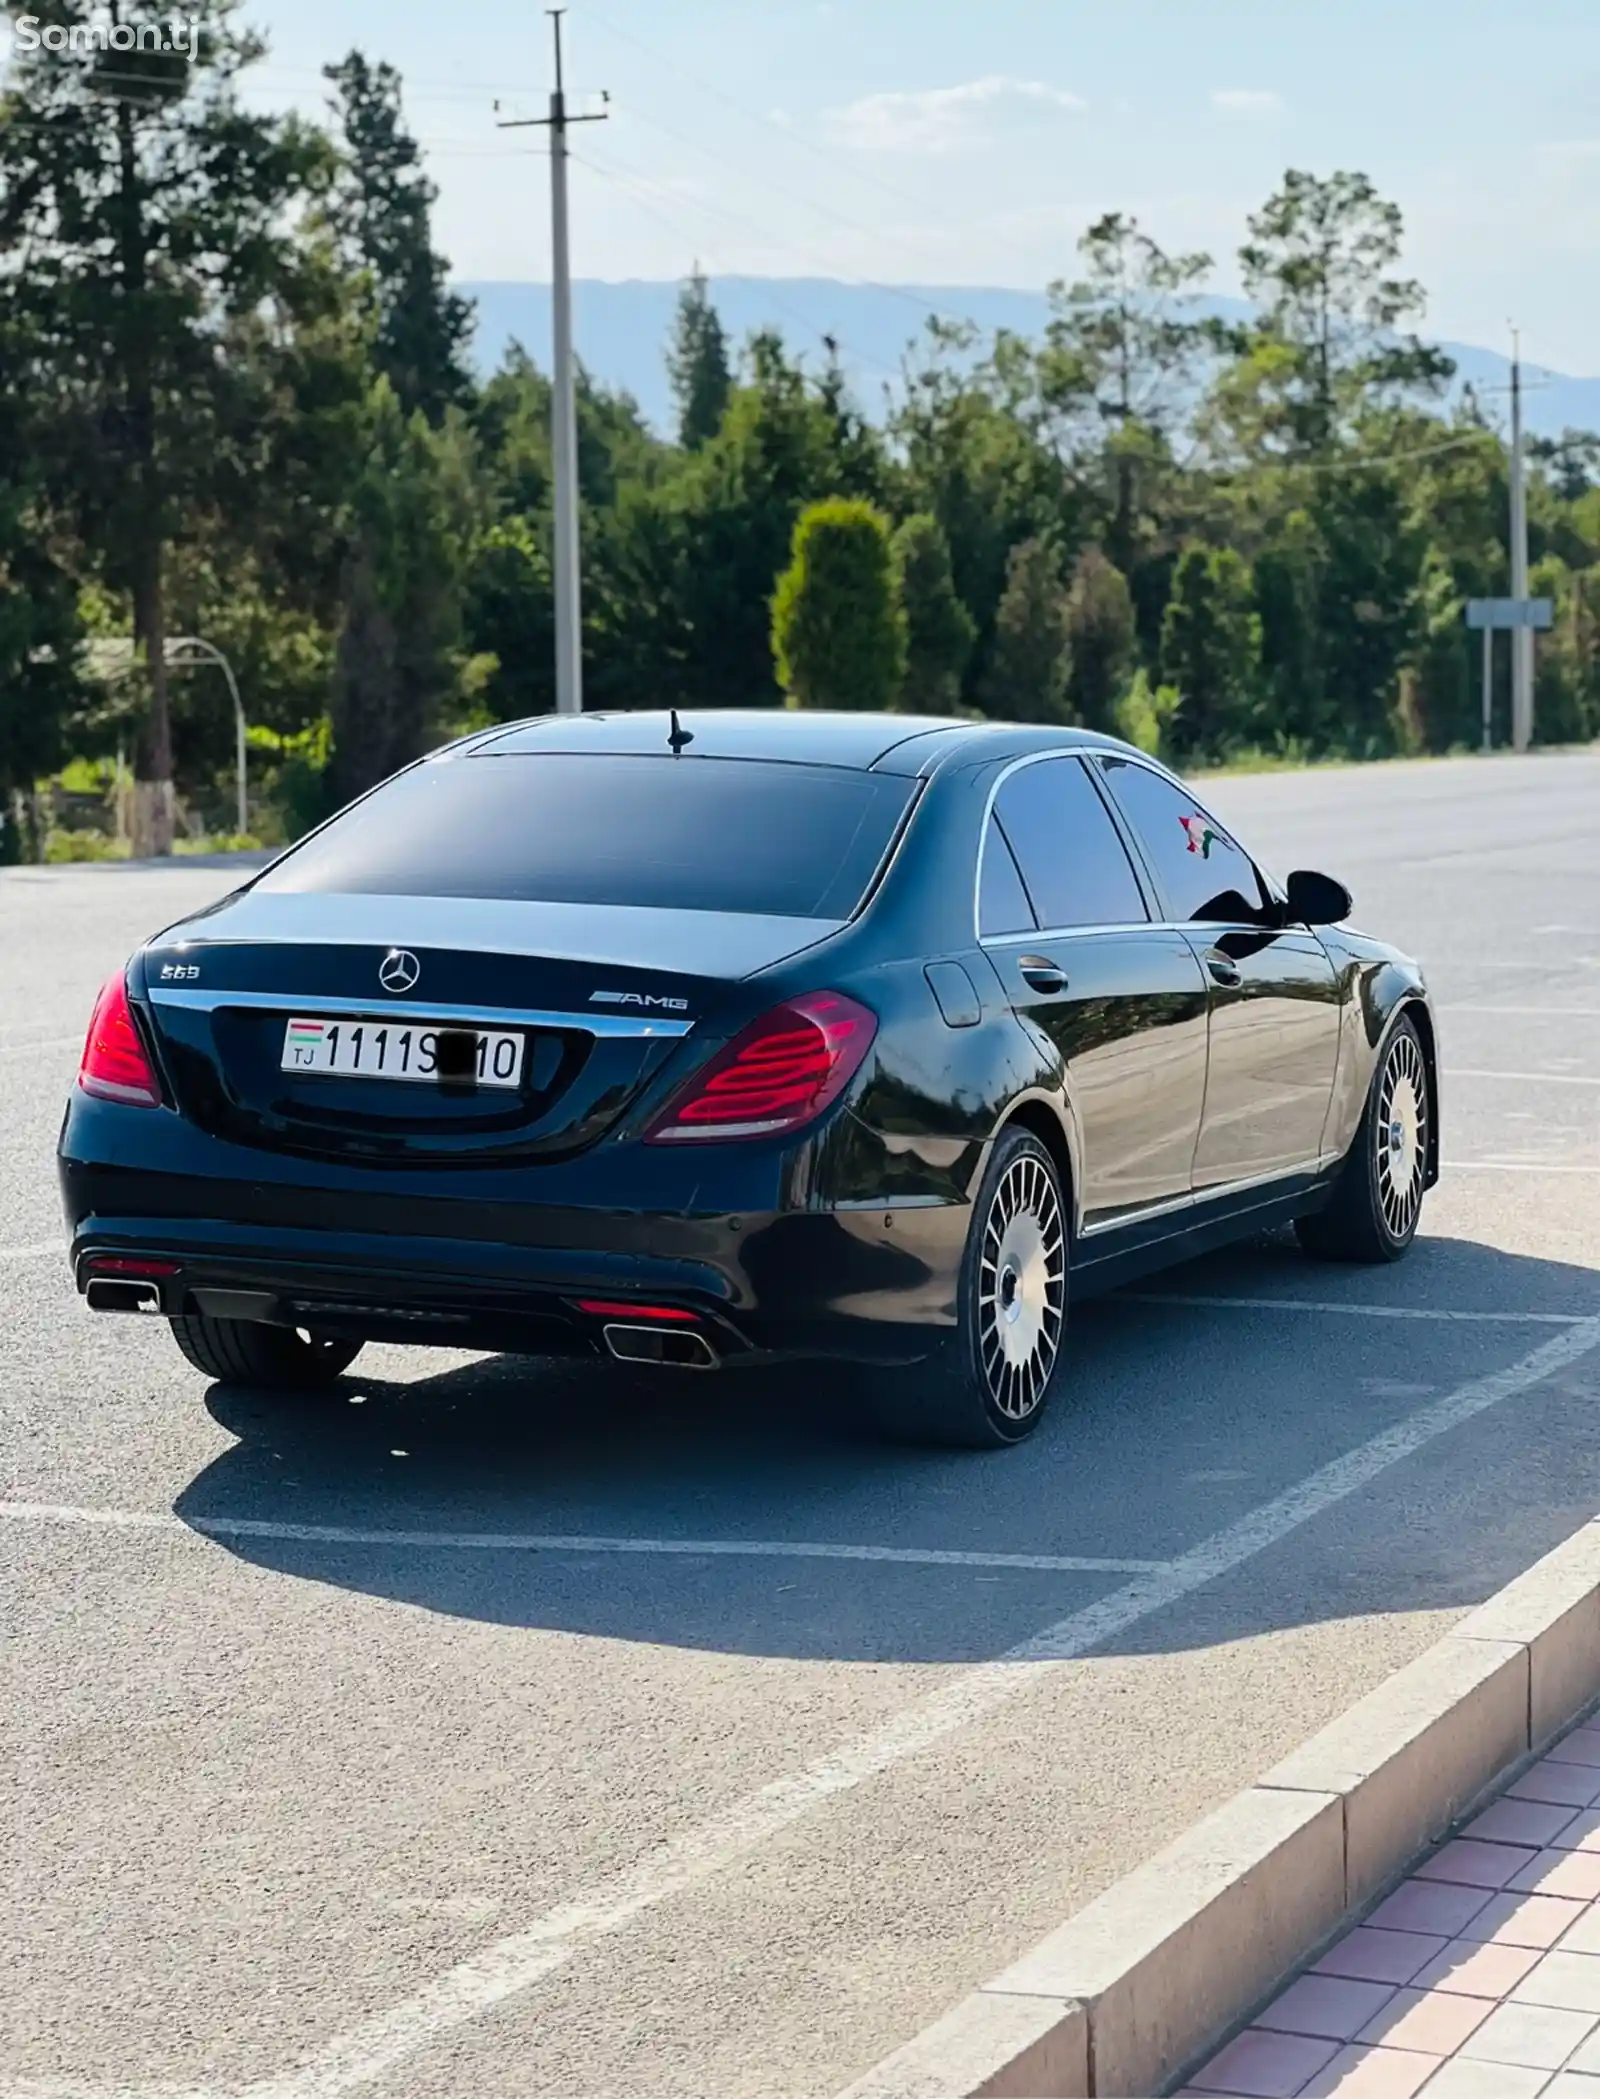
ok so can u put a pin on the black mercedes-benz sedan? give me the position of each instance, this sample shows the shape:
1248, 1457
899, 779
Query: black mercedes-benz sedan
744, 1036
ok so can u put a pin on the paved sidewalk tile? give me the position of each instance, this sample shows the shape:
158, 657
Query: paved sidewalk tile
1459, 2079
1582, 1746
1478, 1865
1330, 2007
1477, 1978
1264, 2065
1566, 1785
1569, 1980
1572, 1873
1531, 2036
1434, 2021
1470, 1970
1387, 1956
1372, 2073
1533, 1822
1431, 1905
1523, 1920
1579, 1833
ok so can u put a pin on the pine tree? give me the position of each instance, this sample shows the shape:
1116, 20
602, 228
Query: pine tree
838, 633
401, 633
1100, 635
697, 362
382, 209
939, 629
155, 210
1211, 651
1031, 660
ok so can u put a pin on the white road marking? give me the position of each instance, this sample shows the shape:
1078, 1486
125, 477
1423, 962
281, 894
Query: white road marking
1315, 1304
1512, 1166
511, 1965
15, 1049
539, 1541
39, 1248
1529, 1078
1529, 1012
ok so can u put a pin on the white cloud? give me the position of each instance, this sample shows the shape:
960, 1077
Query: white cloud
941, 119
1246, 101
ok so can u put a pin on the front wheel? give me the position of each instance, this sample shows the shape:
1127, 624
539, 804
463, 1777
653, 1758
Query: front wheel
1377, 1198
995, 1376
247, 1352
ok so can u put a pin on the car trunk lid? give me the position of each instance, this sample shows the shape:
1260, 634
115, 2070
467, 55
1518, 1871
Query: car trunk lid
601, 996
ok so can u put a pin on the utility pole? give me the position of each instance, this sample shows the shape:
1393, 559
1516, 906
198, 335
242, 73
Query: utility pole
1521, 637
563, 400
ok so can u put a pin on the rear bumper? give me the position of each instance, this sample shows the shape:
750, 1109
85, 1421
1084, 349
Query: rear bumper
477, 1264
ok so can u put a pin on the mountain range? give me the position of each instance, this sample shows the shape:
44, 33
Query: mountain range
621, 333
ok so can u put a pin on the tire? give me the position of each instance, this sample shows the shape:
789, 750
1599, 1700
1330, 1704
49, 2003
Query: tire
246, 1352
1377, 1197
991, 1383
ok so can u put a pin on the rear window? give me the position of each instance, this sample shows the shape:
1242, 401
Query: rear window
681, 834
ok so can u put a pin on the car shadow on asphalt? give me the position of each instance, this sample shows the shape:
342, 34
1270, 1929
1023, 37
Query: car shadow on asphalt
1175, 1421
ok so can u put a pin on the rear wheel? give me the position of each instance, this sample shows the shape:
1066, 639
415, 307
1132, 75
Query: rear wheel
992, 1382
245, 1352
1377, 1199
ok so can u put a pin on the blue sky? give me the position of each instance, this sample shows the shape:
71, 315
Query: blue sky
920, 140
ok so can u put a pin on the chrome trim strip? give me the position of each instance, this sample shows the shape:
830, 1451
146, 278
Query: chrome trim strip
613, 1025
1196, 1196
1139, 925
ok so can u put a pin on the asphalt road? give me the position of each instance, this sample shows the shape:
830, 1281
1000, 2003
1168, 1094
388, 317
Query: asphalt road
514, 1731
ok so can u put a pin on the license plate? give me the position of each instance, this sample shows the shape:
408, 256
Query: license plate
371, 1049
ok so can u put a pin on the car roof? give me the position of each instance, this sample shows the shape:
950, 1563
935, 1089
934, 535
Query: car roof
901, 743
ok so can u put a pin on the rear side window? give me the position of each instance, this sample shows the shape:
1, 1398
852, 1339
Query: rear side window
685, 834
1204, 874
1073, 863
1003, 905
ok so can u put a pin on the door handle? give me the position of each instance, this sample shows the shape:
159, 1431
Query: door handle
1224, 970
1043, 974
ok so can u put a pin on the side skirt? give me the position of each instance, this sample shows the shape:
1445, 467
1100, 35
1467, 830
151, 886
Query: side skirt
1123, 1257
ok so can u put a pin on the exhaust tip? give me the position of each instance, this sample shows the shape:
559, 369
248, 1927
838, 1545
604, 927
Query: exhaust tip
117, 1294
656, 1344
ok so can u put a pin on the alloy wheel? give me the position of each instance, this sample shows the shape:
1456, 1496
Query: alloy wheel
1402, 1135
1022, 1288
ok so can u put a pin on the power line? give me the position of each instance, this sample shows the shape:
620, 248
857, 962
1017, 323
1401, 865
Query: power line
632, 186
783, 131
769, 240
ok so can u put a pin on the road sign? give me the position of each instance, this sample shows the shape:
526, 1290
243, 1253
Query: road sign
1510, 612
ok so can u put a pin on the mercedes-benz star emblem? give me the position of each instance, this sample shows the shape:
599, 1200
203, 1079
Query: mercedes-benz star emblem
399, 970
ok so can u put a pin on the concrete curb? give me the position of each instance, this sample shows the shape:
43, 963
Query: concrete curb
1127, 1995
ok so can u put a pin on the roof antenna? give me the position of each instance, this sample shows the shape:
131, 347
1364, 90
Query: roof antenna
679, 737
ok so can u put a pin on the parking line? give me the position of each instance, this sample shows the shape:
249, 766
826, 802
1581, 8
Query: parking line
1513, 1166
16, 1049
223, 1527
39, 1248
509, 1966
1529, 1078
1317, 1304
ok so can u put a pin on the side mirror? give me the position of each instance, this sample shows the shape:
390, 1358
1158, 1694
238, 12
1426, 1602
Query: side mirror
1317, 900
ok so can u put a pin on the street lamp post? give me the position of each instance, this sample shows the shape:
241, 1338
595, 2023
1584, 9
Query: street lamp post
115, 658
189, 648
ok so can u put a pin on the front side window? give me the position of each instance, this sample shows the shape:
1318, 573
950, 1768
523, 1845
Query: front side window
681, 834
1203, 874
1073, 863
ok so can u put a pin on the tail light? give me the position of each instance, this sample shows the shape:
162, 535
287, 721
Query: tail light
115, 1066
778, 1074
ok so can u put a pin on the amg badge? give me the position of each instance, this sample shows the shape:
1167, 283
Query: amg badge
639, 998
